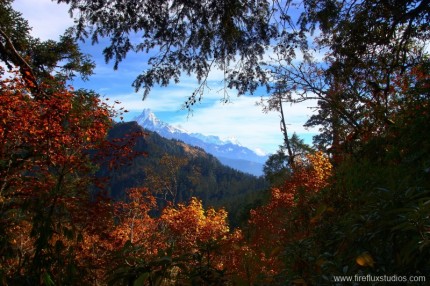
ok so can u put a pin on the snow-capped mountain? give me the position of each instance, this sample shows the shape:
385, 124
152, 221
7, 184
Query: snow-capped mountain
228, 151
148, 120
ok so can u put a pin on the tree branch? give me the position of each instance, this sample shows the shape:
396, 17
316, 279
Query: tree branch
25, 69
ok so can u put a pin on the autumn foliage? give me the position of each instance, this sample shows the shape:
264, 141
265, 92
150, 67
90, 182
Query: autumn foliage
43, 155
48, 142
287, 217
59, 228
358, 207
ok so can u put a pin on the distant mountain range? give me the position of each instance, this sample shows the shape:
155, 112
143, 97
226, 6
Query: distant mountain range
229, 151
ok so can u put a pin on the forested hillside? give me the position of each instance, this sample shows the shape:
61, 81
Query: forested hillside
355, 207
175, 172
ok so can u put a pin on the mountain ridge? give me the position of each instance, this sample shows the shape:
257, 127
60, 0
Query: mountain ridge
228, 151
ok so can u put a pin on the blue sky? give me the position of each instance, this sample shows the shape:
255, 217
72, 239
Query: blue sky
240, 118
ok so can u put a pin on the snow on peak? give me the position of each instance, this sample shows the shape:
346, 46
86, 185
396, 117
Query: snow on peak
232, 140
226, 147
147, 119
152, 117
146, 114
181, 129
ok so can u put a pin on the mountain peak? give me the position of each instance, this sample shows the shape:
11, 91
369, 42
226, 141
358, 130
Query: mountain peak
146, 114
147, 119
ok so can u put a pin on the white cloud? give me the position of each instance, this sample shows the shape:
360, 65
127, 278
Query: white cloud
245, 121
133, 102
47, 18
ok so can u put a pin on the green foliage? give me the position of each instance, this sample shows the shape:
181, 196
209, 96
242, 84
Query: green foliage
140, 271
39, 60
187, 37
277, 169
164, 270
379, 203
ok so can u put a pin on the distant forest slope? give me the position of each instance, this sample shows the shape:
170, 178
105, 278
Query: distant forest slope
175, 171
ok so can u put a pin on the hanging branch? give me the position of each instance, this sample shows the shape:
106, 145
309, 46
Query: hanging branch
17, 59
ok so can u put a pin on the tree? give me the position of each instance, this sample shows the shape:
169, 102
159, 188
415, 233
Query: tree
46, 175
193, 36
165, 180
370, 217
280, 165
188, 245
52, 140
134, 220
189, 37
39, 60
286, 220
